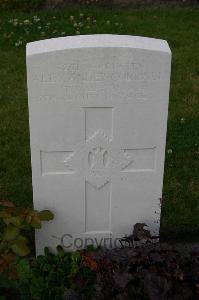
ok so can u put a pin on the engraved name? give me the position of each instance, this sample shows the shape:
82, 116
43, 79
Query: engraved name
98, 73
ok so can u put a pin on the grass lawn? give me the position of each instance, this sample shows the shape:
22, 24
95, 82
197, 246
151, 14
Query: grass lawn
180, 27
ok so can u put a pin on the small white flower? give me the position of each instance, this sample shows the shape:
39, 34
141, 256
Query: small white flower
17, 44
116, 24
72, 18
77, 32
54, 17
75, 25
88, 19
108, 22
36, 19
94, 21
81, 15
26, 22
63, 33
169, 151
182, 120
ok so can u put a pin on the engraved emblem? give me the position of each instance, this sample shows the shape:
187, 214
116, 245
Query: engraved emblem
98, 159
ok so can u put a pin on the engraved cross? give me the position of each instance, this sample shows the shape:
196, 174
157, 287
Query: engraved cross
97, 160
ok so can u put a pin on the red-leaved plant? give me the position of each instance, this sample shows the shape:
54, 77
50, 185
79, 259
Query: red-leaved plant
17, 222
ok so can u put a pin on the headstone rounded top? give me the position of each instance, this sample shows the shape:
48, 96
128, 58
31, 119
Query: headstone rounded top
98, 109
98, 40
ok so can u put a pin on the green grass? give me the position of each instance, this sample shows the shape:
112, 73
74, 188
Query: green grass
180, 27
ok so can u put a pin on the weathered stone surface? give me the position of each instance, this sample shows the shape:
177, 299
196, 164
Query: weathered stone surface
98, 115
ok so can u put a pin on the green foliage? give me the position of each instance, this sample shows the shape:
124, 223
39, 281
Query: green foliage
46, 215
96, 2
52, 275
13, 241
21, 4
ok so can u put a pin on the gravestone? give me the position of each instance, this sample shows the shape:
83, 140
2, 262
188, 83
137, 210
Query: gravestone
98, 115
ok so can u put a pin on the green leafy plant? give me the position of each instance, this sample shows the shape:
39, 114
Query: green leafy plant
18, 222
56, 275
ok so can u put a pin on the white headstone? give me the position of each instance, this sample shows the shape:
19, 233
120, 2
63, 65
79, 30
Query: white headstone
98, 116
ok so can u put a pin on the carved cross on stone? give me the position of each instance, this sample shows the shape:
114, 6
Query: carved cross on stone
97, 160
98, 116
